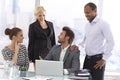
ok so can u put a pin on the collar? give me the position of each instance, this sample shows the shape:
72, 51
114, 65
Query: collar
96, 19
65, 48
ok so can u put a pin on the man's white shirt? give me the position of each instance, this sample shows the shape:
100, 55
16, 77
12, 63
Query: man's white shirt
62, 54
98, 38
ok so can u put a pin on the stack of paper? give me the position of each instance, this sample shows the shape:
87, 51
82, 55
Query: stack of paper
78, 77
83, 73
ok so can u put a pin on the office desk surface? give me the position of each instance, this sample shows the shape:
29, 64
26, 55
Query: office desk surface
32, 76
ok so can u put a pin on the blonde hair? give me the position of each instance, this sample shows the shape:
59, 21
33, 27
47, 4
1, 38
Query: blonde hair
39, 9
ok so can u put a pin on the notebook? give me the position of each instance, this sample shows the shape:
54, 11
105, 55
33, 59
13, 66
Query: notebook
49, 68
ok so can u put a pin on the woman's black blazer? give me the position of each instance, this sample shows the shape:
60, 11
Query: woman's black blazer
39, 42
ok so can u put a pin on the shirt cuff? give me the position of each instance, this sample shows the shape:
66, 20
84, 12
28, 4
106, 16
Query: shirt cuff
66, 71
106, 57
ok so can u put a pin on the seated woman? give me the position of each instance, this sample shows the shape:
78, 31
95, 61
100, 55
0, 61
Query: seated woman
15, 51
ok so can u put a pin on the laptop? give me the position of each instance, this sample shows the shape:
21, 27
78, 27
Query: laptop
49, 68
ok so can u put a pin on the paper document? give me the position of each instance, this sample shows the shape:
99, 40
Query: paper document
80, 78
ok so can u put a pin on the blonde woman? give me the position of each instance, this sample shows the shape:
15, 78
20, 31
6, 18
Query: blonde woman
41, 35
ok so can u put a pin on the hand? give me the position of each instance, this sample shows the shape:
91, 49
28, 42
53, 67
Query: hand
73, 47
65, 71
15, 56
17, 47
40, 58
100, 64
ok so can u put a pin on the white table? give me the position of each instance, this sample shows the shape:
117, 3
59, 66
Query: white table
31, 76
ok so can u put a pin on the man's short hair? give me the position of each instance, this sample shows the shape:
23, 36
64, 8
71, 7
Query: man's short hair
92, 5
69, 33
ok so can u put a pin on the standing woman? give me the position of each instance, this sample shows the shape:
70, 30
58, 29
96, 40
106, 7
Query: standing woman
15, 51
41, 36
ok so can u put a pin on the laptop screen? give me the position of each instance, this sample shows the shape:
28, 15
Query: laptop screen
49, 68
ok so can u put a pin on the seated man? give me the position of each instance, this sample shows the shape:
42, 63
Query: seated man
63, 52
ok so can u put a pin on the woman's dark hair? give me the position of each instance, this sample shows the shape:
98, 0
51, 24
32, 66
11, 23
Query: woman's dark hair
12, 32
69, 33
92, 5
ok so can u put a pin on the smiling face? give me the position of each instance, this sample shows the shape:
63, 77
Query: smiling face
62, 38
41, 16
40, 13
19, 37
89, 13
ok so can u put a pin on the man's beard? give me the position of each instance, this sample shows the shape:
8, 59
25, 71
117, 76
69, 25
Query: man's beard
59, 41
